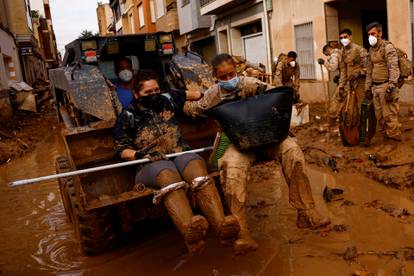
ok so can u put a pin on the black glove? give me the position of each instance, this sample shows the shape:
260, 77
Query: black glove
296, 97
336, 79
155, 156
341, 93
390, 94
354, 76
321, 61
368, 95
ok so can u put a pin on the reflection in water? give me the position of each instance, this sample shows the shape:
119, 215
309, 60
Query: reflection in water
36, 237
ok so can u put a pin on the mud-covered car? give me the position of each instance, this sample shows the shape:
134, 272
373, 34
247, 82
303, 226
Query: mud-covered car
103, 205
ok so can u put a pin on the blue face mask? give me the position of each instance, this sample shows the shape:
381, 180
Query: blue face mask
230, 84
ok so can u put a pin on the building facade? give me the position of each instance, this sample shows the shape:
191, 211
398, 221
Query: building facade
196, 28
19, 17
241, 28
9, 57
105, 19
305, 26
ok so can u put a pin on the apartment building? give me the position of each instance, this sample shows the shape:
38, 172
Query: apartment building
196, 28
9, 56
241, 28
307, 25
45, 36
19, 18
105, 19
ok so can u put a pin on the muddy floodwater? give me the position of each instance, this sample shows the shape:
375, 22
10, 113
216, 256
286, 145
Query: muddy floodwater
36, 239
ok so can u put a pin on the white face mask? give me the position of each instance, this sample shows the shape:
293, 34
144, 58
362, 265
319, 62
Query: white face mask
345, 41
125, 75
292, 63
372, 40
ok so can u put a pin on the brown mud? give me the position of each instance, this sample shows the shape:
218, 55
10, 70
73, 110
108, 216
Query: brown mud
24, 131
385, 161
372, 230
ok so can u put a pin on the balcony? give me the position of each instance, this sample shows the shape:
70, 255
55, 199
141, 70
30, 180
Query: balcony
168, 22
217, 6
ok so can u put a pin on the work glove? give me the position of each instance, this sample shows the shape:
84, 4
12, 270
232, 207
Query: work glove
296, 97
391, 94
321, 61
341, 94
368, 95
155, 156
354, 76
336, 79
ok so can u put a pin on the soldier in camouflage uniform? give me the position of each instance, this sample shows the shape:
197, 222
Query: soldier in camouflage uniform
382, 79
147, 128
332, 65
288, 73
352, 68
235, 165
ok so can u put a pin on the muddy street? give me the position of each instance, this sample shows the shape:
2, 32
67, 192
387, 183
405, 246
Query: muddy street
376, 220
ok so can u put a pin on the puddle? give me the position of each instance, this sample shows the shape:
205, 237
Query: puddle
36, 238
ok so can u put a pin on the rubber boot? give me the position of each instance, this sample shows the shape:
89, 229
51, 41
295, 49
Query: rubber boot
193, 228
208, 199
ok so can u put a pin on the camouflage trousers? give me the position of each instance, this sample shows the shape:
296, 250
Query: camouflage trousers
335, 105
234, 172
387, 112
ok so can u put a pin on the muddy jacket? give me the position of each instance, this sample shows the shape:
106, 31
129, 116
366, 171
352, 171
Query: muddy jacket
287, 75
354, 60
382, 65
247, 86
151, 131
333, 61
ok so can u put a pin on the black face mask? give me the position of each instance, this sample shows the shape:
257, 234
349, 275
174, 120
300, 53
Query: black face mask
153, 102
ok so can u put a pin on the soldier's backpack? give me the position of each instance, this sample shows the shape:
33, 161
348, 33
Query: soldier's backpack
403, 62
279, 59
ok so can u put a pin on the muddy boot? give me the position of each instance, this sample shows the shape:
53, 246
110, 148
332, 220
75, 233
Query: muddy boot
245, 243
207, 197
311, 219
193, 228
300, 196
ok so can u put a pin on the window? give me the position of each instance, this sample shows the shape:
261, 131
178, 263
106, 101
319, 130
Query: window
184, 2
152, 8
160, 8
141, 16
131, 20
304, 48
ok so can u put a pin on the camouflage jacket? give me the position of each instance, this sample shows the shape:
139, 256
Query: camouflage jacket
382, 64
354, 60
287, 75
148, 131
247, 86
333, 61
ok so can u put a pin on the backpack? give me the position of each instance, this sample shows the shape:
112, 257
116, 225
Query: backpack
403, 62
279, 59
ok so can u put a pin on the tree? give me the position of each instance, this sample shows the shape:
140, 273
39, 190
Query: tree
85, 34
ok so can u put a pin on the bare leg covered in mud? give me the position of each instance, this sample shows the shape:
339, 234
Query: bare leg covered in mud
300, 194
195, 172
234, 167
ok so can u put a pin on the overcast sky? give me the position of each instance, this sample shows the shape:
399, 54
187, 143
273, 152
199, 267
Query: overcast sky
70, 18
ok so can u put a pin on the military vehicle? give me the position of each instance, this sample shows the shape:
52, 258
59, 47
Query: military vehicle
104, 205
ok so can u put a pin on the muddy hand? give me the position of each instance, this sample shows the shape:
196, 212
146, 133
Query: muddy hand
155, 156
